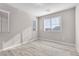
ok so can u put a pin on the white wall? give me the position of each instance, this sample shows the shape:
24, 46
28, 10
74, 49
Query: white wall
35, 33
67, 36
20, 22
77, 27
22, 37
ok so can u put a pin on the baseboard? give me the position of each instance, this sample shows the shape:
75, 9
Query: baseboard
13, 46
59, 42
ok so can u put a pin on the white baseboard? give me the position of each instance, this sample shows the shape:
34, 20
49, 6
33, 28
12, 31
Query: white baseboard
13, 46
59, 42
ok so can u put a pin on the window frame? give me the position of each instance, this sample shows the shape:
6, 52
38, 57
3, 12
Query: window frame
51, 24
43, 24
2, 30
34, 28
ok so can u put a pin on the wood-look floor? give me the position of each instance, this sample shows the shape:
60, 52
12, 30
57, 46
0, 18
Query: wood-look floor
41, 48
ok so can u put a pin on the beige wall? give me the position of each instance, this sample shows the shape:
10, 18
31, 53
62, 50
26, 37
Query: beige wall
68, 28
19, 20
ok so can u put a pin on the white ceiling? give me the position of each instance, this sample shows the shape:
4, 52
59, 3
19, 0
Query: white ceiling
39, 9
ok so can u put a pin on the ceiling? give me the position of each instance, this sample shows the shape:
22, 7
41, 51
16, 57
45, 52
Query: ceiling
39, 9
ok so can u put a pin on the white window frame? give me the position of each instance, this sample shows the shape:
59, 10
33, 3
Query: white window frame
8, 14
51, 25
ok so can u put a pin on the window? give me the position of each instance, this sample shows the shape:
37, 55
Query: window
4, 21
47, 25
34, 25
52, 24
55, 23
